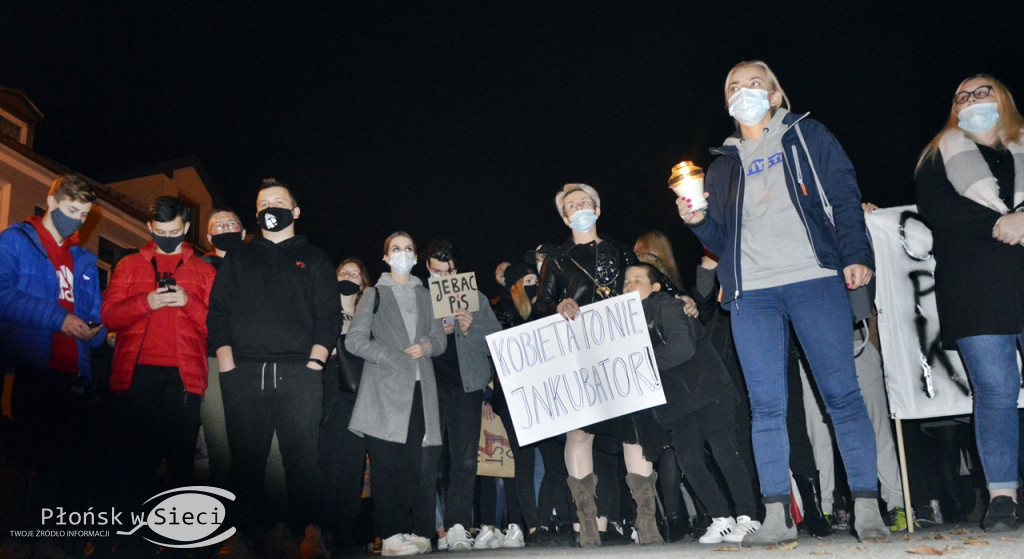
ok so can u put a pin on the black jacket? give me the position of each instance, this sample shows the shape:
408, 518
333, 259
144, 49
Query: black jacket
273, 302
691, 371
979, 281
561, 277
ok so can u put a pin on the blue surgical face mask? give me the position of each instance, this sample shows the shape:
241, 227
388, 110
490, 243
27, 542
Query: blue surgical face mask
583, 220
979, 117
748, 106
402, 262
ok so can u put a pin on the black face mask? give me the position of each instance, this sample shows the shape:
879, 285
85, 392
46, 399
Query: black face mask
167, 244
531, 290
346, 287
275, 219
227, 241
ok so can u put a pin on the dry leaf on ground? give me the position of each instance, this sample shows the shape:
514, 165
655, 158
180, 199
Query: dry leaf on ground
924, 550
726, 548
975, 542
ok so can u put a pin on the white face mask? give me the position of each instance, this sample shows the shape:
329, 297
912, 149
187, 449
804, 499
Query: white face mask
402, 262
748, 106
978, 118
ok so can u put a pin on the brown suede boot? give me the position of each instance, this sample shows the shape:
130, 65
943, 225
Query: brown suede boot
644, 494
584, 493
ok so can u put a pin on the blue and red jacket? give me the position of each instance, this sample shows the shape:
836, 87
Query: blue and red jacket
835, 247
30, 313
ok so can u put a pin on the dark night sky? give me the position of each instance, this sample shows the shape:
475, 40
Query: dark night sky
456, 119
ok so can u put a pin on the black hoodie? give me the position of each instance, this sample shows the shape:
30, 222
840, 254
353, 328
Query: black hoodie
273, 302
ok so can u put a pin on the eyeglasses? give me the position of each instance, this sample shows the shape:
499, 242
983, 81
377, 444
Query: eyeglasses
226, 227
584, 204
979, 94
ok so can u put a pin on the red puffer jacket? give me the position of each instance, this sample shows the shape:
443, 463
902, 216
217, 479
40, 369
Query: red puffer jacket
126, 311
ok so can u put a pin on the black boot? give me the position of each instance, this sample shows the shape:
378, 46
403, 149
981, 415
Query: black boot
814, 522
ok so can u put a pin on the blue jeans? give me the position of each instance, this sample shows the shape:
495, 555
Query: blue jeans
992, 367
819, 312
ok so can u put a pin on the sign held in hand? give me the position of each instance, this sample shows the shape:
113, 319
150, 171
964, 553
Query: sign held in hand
450, 293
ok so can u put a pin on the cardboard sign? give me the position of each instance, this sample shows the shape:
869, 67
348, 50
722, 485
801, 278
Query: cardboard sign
454, 292
494, 458
559, 375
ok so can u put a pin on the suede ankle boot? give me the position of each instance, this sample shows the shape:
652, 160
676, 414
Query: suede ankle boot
867, 521
584, 494
644, 494
778, 529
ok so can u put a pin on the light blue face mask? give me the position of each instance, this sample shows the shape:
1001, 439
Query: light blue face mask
583, 220
748, 106
402, 262
979, 117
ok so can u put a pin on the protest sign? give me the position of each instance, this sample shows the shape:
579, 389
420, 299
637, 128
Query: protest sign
923, 380
448, 293
494, 457
559, 375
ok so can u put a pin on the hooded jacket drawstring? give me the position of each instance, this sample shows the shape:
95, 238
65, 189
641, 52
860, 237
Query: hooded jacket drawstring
263, 374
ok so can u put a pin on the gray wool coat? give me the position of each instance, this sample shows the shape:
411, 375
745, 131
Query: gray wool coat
384, 402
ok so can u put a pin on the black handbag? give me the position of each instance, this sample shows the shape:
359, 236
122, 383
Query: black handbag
350, 366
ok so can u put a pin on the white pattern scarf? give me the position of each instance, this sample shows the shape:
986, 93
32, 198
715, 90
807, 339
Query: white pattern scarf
967, 170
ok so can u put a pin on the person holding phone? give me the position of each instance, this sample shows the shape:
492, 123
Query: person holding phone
157, 304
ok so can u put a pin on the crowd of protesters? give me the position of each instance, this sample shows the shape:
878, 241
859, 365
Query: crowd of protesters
250, 343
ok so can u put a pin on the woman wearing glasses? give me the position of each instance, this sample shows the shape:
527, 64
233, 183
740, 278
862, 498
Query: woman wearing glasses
396, 408
786, 262
970, 187
585, 269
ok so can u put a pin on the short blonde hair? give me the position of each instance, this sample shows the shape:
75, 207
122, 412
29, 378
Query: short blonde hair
773, 81
573, 187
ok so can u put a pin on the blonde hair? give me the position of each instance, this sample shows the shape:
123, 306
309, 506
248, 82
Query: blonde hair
1009, 126
655, 249
773, 81
520, 299
573, 187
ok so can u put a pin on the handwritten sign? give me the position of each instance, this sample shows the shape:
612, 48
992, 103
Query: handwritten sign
449, 293
494, 457
559, 375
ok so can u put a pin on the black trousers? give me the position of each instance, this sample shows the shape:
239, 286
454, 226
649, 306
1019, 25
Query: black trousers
714, 425
160, 421
460, 426
259, 399
342, 464
44, 446
403, 478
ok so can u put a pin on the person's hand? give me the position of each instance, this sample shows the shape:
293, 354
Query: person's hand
158, 299
689, 306
568, 309
177, 297
464, 318
1009, 229
708, 263
868, 207
486, 411
685, 207
75, 326
856, 275
417, 350
449, 326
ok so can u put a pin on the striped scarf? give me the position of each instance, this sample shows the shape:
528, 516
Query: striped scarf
967, 170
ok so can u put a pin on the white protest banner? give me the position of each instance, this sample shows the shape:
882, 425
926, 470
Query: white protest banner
449, 293
922, 379
559, 375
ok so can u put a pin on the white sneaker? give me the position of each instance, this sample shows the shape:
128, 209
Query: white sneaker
488, 538
719, 528
459, 539
744, 525
400, 545
422, 544
513, 537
